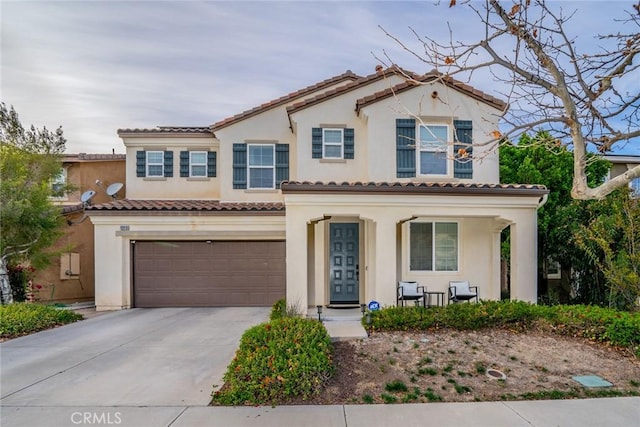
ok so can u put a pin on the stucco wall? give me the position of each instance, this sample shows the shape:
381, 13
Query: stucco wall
339, 112
174, 187
480, 219
113, 246
418, 102
78, 236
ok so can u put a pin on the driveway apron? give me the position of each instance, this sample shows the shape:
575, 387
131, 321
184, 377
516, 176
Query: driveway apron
139, 357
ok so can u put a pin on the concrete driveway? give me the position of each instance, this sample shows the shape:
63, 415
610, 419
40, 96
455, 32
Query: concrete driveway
139, 357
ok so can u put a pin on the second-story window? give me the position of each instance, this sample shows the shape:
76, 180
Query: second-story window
197, 164
332, 143
58, 184
433, 155
261, 166
155, 163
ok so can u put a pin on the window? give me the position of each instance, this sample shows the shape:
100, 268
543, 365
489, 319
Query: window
58, 184
433, 152
332, 143
553, 269
433, 246
197, 164
155, 163
261, 166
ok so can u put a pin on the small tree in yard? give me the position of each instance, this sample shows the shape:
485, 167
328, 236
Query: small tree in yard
581, 99
611, 239
29, 160
537, 161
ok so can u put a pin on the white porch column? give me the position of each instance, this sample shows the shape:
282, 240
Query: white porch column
493, 293
296, 244
524, 259
112, 281
385, 261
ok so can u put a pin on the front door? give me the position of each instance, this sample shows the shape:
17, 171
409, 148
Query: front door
344, 263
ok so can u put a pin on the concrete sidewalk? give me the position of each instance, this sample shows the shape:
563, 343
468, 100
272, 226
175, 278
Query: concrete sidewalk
622, 411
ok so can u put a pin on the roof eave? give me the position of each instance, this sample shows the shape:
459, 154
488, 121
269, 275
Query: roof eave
348, 75
412, 189
496, 103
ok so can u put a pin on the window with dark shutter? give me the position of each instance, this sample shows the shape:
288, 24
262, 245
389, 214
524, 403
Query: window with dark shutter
332, 143
211, 164
349, 143
282, 163
141, 164
155, 161
316, 143
184, 164
168, 164
463, 152
239, 166
405, 148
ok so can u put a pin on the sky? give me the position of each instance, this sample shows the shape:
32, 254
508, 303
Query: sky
94, 67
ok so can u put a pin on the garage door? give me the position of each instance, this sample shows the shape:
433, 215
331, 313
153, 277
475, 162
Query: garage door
218, 273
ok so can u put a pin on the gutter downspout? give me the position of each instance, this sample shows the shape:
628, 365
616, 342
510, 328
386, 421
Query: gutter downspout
543, 200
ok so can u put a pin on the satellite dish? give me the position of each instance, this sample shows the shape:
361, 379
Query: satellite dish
87, 196
113, 189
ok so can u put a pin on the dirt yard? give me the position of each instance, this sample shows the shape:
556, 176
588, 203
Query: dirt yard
455, 366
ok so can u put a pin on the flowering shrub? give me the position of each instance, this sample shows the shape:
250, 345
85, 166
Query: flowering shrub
281, 359
20, 277
592, 322
21, 319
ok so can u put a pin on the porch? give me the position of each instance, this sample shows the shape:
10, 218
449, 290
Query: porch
427, 233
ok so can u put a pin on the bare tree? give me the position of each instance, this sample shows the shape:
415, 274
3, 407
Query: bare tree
583, 99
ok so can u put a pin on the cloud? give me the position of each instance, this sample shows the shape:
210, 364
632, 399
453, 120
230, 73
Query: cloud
96, 66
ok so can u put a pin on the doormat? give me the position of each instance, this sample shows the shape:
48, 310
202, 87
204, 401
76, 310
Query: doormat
592, 381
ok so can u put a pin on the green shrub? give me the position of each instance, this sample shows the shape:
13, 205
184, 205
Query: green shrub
281, 309
592, 322
367, 398
387, 398
278, 309
396, 386
432, 396
285, 358
24, 318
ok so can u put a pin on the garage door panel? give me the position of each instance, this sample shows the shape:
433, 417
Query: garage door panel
192, 274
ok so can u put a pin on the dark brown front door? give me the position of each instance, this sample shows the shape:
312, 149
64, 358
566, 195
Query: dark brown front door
218, 273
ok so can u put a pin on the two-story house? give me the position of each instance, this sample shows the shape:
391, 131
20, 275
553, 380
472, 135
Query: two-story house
328, 195
70, 277
621, 163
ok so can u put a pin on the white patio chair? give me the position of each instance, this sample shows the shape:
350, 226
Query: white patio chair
461, 291
409, 291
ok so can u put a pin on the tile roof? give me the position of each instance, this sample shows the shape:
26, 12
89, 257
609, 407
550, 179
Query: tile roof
430, 77
68, 209
168, 130
92, 157
348, 75
174, 206
371, 78
455, 188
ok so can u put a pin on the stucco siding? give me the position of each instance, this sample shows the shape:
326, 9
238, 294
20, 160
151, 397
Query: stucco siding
174, 187
449, 105
113, 243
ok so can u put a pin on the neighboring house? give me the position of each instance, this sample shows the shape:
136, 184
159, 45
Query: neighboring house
621, 164
328, 195
70, 278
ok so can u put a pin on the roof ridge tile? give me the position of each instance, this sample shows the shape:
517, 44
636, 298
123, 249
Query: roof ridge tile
347, 75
